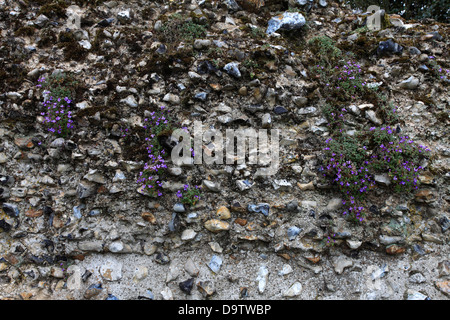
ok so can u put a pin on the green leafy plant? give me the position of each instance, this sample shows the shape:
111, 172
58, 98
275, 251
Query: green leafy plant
190, 195
58, 92
351, 163
438, 71
177, 29
325, 50
158, 126
249, 63
257, 33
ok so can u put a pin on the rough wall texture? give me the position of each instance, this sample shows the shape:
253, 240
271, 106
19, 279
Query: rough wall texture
74, 222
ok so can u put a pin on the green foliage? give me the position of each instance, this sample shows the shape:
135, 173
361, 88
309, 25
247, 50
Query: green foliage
177, 29
55, 8
338, 74
60, 85
437, 71
25, 31
360, 30
190, 195
158, 126
326, 51
351, 163
58, 93
250, 64
342, 81
257, 33
389, 113
191, 31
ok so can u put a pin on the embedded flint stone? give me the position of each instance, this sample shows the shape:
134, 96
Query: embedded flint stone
10, 209
86, 189
286, 21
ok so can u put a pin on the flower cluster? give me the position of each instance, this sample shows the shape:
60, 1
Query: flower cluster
57, 114
344, 79
329, 241
441, 73
351, 164
157, 125
190, 195
400, 157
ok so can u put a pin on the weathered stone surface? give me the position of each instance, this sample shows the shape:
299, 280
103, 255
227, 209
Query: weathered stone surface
215, 225
72, 225
286, 21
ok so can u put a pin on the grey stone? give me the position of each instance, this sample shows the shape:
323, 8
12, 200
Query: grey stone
388, 47
124, 16
11, 209
415, 295
292, 206
86, 189
286, 21
191, 268
371, 115
19, 192
179, 207
4, 193
411, 83
94, 176
91, 246
334, 204
341, 263
206, 288
281, 184
85, 44
259, 208
232, 5
266, 121
106, 22
188, 234
307, 110
93, 291
111, 270
293, 232
130, 101
232, 69
388, 240
227, 118
172, 98
162, 49
382, 179
262, 278
287, 269
201, 96
41, 21
174, 224
444, 268
211, 186
417, 278
202, 43
380, 272
414, 51
140, 273
116, 247
293, 290
323, 3
215, 263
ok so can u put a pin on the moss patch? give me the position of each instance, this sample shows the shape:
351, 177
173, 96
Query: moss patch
27, 31
54, 9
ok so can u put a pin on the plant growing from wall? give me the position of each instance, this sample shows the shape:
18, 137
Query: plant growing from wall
57, 92
158, 126
351, 164
190, 195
